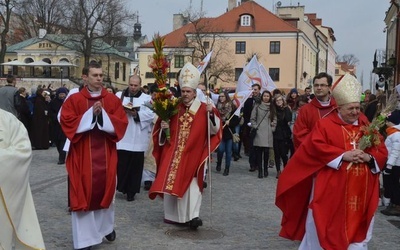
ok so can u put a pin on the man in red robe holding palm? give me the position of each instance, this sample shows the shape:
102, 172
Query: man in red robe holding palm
329, 190
94, 120
180, 160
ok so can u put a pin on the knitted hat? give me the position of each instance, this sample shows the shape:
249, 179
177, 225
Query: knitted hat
61, 90
189, 76
394, 117
347, 90
294, 90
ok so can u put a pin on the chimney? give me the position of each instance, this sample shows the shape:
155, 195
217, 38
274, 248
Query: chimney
231, 4
42, 33
177, 21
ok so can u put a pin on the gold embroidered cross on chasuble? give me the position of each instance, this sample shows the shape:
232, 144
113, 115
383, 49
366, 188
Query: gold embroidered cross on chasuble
356, 175
185, 123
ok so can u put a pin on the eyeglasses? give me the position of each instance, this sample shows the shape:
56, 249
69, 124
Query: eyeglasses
316, 85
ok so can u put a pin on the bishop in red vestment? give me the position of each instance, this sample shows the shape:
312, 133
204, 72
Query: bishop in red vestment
181, 160
331, 185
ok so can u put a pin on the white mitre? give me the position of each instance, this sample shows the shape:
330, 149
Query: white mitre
189, 76
347, 90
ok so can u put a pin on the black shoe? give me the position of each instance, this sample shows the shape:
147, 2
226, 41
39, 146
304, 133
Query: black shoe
252, 169
130, 197
111, 236
205, 184
61, 162
226, 172
147, 185
195, 223
218, 168
265, 172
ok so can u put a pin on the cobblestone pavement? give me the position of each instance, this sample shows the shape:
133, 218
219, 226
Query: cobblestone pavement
238, 212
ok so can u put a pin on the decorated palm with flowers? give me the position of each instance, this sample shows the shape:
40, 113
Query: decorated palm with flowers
370, 134
164, 104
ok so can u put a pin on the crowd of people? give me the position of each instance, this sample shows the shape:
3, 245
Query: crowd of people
311, 140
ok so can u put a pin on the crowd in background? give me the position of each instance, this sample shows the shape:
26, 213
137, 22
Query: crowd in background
263, 127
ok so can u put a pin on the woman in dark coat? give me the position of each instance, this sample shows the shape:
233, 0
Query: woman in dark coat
282, 133
40, 122
58, 136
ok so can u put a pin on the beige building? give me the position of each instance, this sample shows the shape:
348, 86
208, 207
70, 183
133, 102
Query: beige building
56, 59
292, 45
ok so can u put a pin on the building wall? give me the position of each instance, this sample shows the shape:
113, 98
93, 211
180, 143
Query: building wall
56, 53
297, 58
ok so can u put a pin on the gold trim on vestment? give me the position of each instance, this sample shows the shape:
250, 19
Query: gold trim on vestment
185, 124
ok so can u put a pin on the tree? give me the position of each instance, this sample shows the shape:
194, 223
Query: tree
93, 21
350, 59
204, 37
6, 7
40, 14
88, 22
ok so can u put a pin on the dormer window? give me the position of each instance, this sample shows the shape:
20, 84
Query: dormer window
245, 20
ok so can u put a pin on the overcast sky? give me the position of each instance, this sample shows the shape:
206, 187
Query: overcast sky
358, 24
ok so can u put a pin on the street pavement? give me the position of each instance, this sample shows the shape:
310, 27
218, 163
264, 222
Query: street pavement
238, 212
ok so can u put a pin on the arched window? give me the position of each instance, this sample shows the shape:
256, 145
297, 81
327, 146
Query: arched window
245, 20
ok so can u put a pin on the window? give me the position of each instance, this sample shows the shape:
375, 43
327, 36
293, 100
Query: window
206, 45
179, 61
274, 73
245, 20
116, 71
124, 72
238, 72
149, 75
275, 47
240, 47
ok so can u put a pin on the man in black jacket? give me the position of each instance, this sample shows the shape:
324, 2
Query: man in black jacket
247, 108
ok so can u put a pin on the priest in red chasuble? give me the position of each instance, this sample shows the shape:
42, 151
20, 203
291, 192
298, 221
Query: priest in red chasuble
329, 190
180, 160
94, 120
319, 107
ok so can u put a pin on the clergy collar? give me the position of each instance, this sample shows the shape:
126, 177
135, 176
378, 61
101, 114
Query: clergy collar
354, 123
190, 103
324, 103
92, 91
127, 93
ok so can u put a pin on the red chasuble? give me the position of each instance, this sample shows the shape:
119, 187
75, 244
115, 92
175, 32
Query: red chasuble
308, 116
92, 156
181, 159
344, 200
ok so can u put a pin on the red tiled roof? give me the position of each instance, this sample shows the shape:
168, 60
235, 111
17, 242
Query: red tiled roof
263, 21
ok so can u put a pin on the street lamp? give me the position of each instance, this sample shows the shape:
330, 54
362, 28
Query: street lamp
169, 58
61, 75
